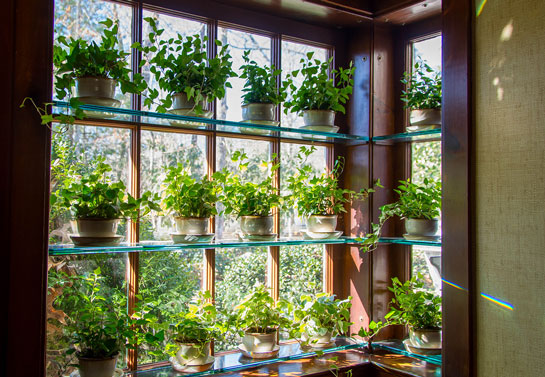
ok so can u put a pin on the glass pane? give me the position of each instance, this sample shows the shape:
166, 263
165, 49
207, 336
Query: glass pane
80, 19
237, 271
159, 150
170, 279
76, 148
428, 50
426, 161
227, 227
292, 53
427, 262
260, 51
290, 223
65, 274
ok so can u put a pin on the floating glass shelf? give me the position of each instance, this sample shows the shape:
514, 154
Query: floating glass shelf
151, 246
154, 120
425, 135
396, 346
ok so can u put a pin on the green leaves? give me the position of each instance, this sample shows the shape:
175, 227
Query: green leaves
260, 84
423, 87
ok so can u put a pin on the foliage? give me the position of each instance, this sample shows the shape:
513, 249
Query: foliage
426, 161
94, 196
414, 306
182, 66
187, 197
415, 202
319, 91
313, 194
423, 88
318, 314
248, 198
373, 330
260, 84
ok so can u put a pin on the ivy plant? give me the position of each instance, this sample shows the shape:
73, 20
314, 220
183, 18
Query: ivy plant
423, 88
313, 194
181, 65
260, 84
415, 202
95, 196
323, 87
249, 198
184, 196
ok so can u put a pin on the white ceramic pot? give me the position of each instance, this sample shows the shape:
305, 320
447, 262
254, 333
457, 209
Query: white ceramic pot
95, 87
253, 112
180, 102
97, 227
193, 353
257, 225
424, 338
315, 340
421, 227
89, 367
321, 223
425, 118
319, 118
191, 225
259, 342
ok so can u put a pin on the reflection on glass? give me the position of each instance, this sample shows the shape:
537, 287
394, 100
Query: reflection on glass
160, 149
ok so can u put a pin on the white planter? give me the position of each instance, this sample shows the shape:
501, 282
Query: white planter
97, 367
319, 118
424, 338
255, 112
94, 87
421, 227
315, 340
191, 225
193, 353
97, 227
180, 102
259, 342
322, 224
426, 118
257, 225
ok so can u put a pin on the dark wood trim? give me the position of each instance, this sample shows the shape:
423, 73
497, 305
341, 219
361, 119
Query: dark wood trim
458, 191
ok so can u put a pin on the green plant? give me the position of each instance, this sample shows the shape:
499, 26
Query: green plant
323, 88
182, 66
320, 194
423, 88
260, 84
94, 196
414, 306
187, 197
415, 202
248, 198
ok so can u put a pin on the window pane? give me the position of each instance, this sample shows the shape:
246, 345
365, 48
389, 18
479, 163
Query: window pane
63, 305
237, 271
159, 150
260, 51
428, 50
292, 53
426, 161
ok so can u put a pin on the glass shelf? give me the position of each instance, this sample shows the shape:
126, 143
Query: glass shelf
150, 246
158, 120
425, 135
396, 346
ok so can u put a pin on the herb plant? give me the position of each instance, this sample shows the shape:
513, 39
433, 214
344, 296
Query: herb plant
186, 197
320, 194
248, 198
260, 84
423, 88
182, 66
95, 196
319, 91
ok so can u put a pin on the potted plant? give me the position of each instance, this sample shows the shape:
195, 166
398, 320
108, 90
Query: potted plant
98, 204
317, 318
419, 205
319, 197
191, 202
250, 202
183, 70
323, 92
423, 96
261, 94
257, 319
419, 309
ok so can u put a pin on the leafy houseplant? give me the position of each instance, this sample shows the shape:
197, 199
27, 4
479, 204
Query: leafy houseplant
423, 95
183, 70
324, 91
419, 205
191, 202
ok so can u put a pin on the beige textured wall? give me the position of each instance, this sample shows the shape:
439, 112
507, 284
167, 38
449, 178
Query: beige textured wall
510, 153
